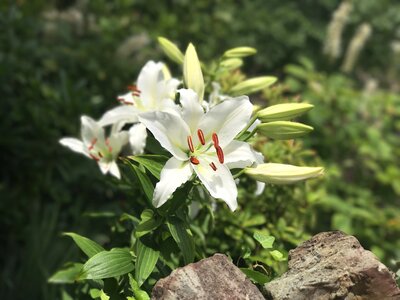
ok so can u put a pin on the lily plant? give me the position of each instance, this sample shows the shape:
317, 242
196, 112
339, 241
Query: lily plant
96, 146
202, 144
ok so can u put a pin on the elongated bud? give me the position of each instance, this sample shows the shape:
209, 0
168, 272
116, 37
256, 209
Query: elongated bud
283, 112
171, 50
192, 72
240, 52
252, 85
231, 63
283, 130
282, 174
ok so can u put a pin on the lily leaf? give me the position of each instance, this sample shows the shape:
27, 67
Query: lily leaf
153, 163
183, 237
145, 262
68, 274
89, 247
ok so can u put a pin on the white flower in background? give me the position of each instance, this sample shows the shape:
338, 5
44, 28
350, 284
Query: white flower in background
154, 91
95, 146
202, 143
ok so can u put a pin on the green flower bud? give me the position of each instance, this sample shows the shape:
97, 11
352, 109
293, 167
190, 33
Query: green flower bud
282, 174
192, 73
240, 52
252, 85
283, 112
231, 63
283, 130
171, 50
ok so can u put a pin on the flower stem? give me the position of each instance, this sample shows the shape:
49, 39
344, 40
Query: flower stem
252, 120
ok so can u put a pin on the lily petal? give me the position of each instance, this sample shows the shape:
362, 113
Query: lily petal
227, 119
173, 175
239, 155
114, 170
192, 111
75, 145
147, 82
170, 130
219, 183
137, 138
91, 131
123, 114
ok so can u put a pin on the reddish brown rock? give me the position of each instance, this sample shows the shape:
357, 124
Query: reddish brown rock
333, 265
211, 278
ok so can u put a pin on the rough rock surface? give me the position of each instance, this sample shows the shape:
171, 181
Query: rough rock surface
211, 278
333, 265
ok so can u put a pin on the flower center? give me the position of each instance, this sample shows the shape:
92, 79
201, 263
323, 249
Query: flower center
215, 141
97, 154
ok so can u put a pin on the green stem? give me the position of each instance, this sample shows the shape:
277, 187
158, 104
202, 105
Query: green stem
238, 174
252, 120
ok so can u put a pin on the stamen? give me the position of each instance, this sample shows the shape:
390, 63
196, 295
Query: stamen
220, 154
100, 155
200, 134
108, 145
194, 160
92, 143
190, 143
212, 165
94, 157
215, 140
133, 88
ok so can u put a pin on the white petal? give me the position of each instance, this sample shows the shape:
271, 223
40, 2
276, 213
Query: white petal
120, 114
117, 141
127, 98
91, 131
173, 175
192, 111
239, 155
219, 183
137, 138
147, 81
170, 130
75, 145
260, 188
114, 170
104, 166
227, 119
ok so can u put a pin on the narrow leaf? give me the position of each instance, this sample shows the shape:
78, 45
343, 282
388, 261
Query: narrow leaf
107, 264
139, 294
148, 223
183, 237
153, 163
145, 262
145, 182
89, 247
264, 239
68, 274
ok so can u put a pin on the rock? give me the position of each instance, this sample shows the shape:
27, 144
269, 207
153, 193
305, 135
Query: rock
211, 278
333, 265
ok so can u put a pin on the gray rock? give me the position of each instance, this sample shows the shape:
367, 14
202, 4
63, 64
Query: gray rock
211, 278
333, 265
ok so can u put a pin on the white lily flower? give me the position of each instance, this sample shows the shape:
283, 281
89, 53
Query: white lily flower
202, 143
154, 90
95, 146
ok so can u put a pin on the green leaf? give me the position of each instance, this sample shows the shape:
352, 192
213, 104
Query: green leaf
145, 182
107, 264
96, 293
89, 247
153, 163
277, 255
148, 223
255, 276
255, 220
68, 274
183, 237
145, 262
139, 294
264, 239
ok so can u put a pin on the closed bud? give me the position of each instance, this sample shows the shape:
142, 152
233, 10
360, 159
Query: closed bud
240, 52
282, 174
171, 50
192, 73
252, 85
283, 112
283, 130
231, 63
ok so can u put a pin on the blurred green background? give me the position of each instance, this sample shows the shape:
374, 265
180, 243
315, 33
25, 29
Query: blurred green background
60, 59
